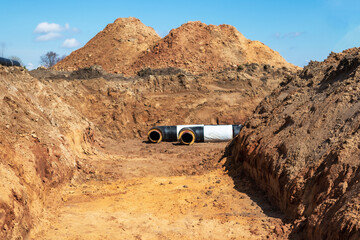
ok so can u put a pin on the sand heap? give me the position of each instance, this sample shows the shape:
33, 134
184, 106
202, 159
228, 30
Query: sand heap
127, 46
302, 147
115, 48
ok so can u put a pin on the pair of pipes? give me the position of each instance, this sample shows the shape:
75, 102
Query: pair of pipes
188, 134
9, 62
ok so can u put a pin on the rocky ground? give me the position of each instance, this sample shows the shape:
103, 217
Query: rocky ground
73, 160
302, 147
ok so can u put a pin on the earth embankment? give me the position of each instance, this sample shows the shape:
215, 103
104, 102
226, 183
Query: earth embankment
301, 146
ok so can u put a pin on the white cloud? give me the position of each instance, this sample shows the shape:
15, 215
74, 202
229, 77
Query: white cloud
30, 66
49, 36
70, 43
46, 27
51, 31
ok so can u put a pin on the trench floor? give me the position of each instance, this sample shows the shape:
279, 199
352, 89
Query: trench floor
135, 190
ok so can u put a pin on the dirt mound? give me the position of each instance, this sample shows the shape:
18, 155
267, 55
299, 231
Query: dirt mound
197, 47
127, 46
302, 147
115, 48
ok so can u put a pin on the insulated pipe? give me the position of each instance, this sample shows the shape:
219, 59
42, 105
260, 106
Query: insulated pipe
166, 133
162, 133
9, 62
188, 134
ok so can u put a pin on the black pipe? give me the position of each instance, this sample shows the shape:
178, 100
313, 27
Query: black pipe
9, 62
189, 135
162, 133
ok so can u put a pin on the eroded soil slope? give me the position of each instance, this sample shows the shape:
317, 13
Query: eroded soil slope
41, 138
302, 147
128, 46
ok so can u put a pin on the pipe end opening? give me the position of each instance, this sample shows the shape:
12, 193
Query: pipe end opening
187, 137
154, 136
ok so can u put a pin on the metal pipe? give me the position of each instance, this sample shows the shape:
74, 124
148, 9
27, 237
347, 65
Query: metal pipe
188, 134
9, 62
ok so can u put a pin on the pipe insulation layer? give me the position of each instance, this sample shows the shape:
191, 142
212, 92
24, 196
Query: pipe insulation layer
167, 133
188, 134
9, 62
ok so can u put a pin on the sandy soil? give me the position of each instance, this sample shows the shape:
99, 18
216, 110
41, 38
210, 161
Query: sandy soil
135, 190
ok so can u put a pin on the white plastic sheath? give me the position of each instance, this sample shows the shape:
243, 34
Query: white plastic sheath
216, 133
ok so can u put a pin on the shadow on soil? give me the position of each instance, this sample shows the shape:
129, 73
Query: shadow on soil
244, 184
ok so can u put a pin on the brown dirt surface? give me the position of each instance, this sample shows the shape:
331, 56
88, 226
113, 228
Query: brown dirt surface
128, 46
302, 147
73, 162
115, 48
134, 190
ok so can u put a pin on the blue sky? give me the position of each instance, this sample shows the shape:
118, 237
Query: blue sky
299, 30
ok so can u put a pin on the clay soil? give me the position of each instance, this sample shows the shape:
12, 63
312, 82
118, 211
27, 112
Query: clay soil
136, 190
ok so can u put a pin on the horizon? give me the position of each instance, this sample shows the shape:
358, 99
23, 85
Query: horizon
300, 31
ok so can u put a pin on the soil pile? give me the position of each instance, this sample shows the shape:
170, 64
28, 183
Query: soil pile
302, 147
115, 48
197, 47
128, 46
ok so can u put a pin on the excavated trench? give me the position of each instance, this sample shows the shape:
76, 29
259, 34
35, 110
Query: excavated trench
81, 167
